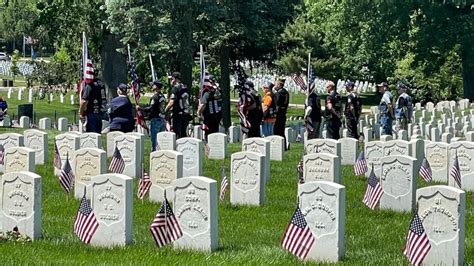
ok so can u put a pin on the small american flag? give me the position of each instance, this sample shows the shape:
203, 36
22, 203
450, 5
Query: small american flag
456, 171
360, 166
298, 238
298, 79
374, 191
417, 243
144, 184
299, 169
86, 223
309, 125
117, 165
165, 227
2, 154
224, 184
66, 177
57, 157
425, 171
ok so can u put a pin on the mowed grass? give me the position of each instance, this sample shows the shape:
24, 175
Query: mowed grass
247, 235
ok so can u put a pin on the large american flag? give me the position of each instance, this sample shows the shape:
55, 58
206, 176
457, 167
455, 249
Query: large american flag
298, 238
165, 227
455, 172
57, 157
243, 95
66, 177
2, 154
135, 87
87, 69
86, 223
360, 166
425, 171
374, 191
417, 243
117, 165
144, 184
299, 80
224, 184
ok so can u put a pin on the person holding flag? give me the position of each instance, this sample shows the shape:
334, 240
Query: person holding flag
120, 111
156, 110
313, 114
91, 105
210, 106
352, 110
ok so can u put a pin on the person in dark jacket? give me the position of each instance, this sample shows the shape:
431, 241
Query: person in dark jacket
156, 111
352, 110
313, 114
91, 105
120, 111
333, 112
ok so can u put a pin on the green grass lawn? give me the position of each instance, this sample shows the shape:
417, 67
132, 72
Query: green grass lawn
247, 235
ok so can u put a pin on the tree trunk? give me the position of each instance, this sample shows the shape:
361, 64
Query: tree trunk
225, 86
468, 67
114, 64
185, 55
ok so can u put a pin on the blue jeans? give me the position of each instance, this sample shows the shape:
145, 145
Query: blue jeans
156, 125
94, 123
267, 128
386, 123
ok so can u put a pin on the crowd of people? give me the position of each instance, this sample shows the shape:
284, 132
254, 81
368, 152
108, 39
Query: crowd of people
260, 115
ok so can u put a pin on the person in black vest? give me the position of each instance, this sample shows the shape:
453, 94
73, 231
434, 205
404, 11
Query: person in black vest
91, 106
179, 104
332, 112
352, 111
255, 112
313, 114
268, 108
156, 111
282, 99
120, 111
210, 107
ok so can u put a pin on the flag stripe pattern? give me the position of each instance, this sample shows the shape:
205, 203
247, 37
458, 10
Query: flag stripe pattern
86, 223
374, 191
165, 227
224, 184
66, 177
456, 171
417, 243
298, 79
298, 238
309, 125
144, 184
425, 171
57, 157
117, 165
360, 166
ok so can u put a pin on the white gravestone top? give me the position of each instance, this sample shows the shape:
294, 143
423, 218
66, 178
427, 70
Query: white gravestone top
165, 167
247, 180
191, 148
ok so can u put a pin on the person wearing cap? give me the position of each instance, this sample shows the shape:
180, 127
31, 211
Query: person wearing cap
352, 110
268, 108
92, 103
210, 106
156, 111
386, 109
120, 111
179, 106
254, 112
313, 114
333, 112
404, 107
282, 99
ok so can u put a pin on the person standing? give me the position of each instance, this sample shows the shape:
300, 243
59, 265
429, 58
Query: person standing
352, 111
179, 104
386, 109
210, 107
332, 112
404, 109
313, 114
254, 113
91, 106
3, 107
268, 108
120, 111
282, 99
156, 111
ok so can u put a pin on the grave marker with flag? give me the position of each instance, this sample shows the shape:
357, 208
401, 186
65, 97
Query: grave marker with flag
165, 227
417, 243
144, 184
425, 171
360, 166
86, 223
224, 184
455, 172
66, 177
373, 192
298, 238
117, 165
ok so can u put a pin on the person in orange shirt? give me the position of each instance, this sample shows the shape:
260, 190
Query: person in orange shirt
269, 108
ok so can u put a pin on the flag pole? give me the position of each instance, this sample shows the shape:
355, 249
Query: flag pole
309, 73
153, 74
202, 66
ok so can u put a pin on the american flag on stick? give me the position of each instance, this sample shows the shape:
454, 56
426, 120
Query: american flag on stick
360, 166
374, 191
2, 154
87, 69
455, 172
144, 184
425, 171
298, 238
224, 184
66, 177
417, 243
117, 165
165, 227
299, 80
86, 223
135, 87
57, 157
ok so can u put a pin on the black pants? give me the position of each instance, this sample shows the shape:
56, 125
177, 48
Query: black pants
254, 130
212, 122
180, 125
279, 127
352, 131
332, 129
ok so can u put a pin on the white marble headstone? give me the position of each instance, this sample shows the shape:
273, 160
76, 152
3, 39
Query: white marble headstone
217, 144
37, 140
262, 146
192, 150
329, 146
67, 144
129, 147
45, 123
349, 150
321, 167
437, 156
247, 178
19, 159
88, 163
166, 141
277, 147
62, 124
90, 140
465, 152
111, 142
373, 153
165, 167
